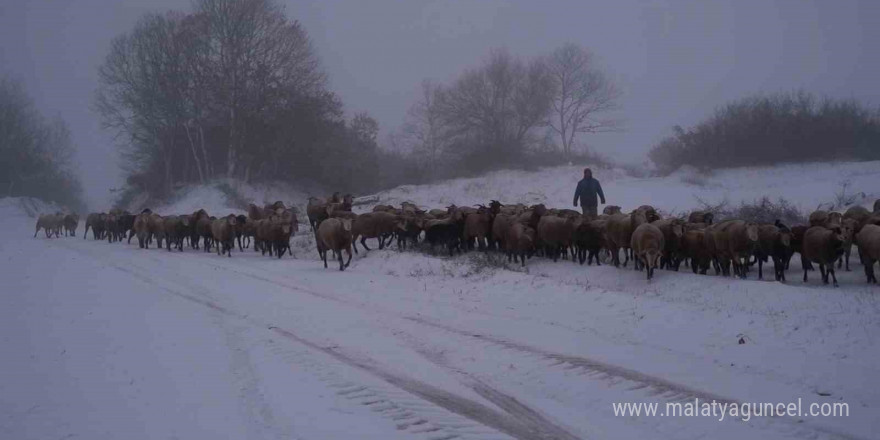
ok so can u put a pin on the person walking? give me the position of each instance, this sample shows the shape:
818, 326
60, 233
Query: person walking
586, 191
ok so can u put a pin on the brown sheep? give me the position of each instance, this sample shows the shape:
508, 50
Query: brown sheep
555, 234
824, 246
849, 227
531, 216
520, 242
693, 247
499, 230
701, 217
176, 227
774, 242
611, 210
196, 230
142, 229
477, 227
859, 214
645, 211
720, 248
111, 226
95, 221
335, 235
868, 241
589, 239
203, 231
647, 244
378, 225
272, 236
413, 225
735, 241
71, 222
828, 219
255, 212
49, 224
316, 211
709, 246
877, 206
156, 226
619, 231
385, 208
673, 230
223, 231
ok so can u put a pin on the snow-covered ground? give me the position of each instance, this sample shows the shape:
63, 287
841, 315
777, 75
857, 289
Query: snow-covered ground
109, 341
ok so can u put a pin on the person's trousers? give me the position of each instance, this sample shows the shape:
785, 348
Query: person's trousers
591, 211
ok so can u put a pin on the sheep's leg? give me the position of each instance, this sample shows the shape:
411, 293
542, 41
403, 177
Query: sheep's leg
833, 276
323, 256
846, 255
364, 243
823, 273
347, 251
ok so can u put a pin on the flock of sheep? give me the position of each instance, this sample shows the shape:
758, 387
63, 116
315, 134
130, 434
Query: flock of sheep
520, 231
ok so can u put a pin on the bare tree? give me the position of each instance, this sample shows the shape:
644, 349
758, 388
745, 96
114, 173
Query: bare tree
490, 111
424, 126
193, 96
583, 93
259, 60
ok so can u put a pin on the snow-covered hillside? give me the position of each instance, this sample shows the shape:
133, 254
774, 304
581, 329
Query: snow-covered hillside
805, 185
107, 340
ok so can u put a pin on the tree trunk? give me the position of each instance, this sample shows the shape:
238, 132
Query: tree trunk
209, 172
231, 152
195, 154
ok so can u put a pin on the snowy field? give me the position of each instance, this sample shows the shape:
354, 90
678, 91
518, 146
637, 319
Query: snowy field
107, 341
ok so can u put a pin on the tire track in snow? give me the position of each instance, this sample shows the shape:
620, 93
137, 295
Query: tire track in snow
503, 422
592, 369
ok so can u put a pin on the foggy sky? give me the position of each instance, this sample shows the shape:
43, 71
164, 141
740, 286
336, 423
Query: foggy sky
675, 61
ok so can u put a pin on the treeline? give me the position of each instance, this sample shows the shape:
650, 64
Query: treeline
510, 111
233, 89
35, 151
771, 129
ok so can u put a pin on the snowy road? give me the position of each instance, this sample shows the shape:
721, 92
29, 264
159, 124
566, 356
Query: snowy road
107, 341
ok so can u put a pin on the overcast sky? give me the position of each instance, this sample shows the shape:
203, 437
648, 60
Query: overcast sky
675, 61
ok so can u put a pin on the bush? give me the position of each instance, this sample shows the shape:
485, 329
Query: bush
759, 211
766, 130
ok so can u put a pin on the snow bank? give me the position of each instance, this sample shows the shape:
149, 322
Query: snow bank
804, 185
26, 207
227, 196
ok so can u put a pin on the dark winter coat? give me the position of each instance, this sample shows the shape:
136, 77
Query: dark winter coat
586, 191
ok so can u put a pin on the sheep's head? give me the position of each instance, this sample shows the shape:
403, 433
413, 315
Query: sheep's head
837, 234
677, 229
184, 220
495, 206
230, 219
708, 218
611, 210
849, 228
346, 224
785, 237
752, 232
